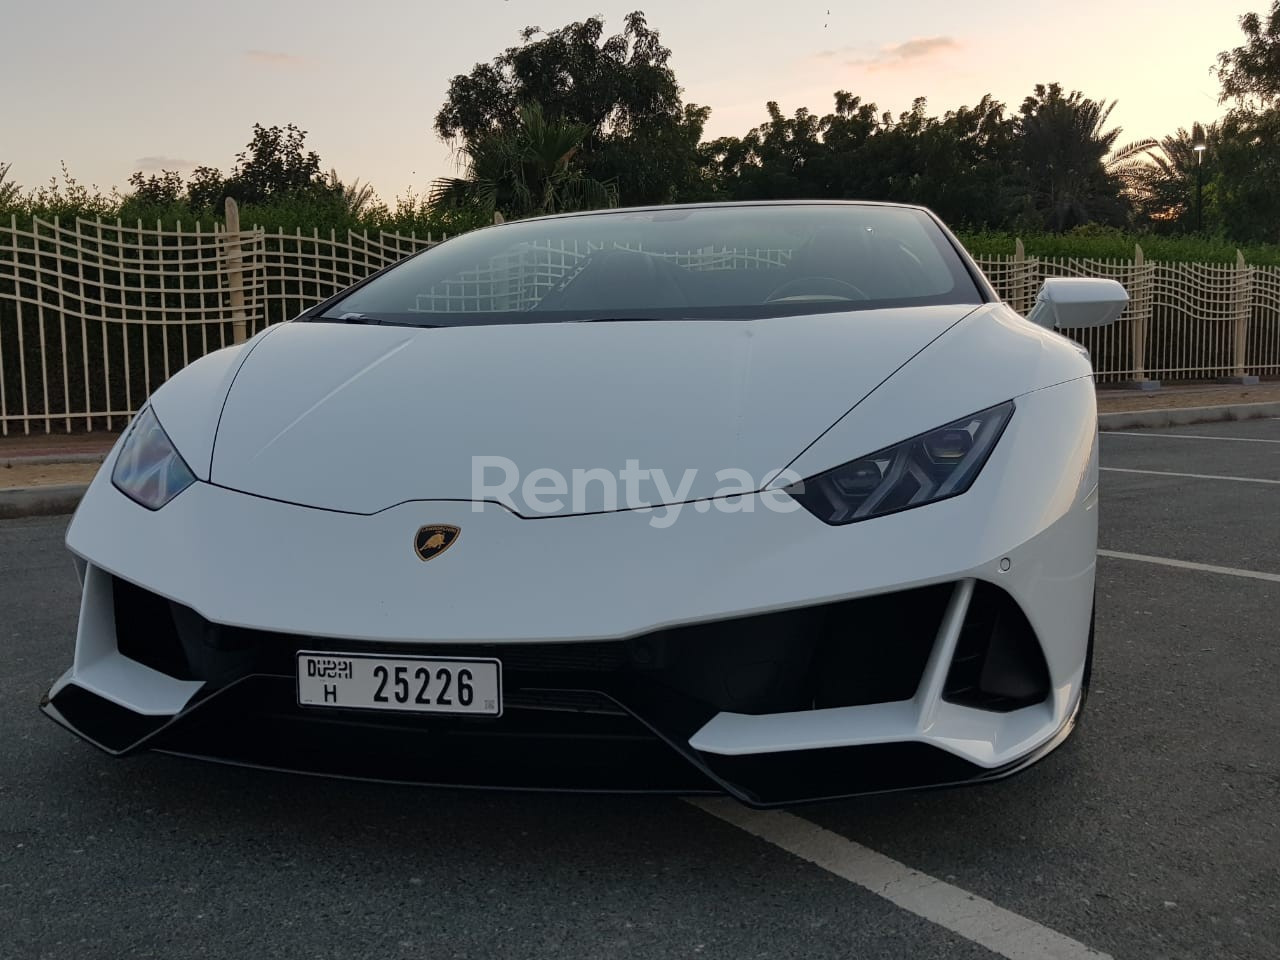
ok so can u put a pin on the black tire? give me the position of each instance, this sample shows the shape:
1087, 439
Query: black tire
1088, 663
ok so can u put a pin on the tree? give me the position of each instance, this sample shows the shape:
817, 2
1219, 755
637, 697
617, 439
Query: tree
10, 191
206, 187
1164, 187
355, 197
157, 191
1252, 70
524, 170
274, 163
1067, 151
620, 89
1245, 185
961, 164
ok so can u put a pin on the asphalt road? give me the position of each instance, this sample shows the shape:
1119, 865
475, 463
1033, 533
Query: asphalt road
1154, 833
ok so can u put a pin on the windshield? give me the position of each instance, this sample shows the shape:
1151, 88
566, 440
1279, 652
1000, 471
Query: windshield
715, 262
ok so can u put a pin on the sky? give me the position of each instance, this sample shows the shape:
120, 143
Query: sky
113, 87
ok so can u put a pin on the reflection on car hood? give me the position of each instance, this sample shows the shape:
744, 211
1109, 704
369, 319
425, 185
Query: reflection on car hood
358, 418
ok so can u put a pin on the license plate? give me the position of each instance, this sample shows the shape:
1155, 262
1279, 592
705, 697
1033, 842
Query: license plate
415, 684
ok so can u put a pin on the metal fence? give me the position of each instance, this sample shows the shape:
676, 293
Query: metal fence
94, 316
1185, 321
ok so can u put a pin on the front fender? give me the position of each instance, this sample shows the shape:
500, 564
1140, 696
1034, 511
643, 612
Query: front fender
189, 404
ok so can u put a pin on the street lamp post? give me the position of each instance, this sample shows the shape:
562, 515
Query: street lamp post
1199, 147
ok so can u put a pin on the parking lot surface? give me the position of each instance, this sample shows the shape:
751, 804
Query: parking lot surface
1153, 833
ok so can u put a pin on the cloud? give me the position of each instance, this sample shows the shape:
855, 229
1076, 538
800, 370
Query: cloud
159, 162
891, 55
275, 58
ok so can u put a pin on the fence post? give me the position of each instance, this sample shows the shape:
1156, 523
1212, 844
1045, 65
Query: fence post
1024, 293
1139, 305
235, 272
1241, 307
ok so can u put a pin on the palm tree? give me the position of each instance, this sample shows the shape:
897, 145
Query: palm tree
1128, 162
355, 196
1164, 186
525, 171
1068, 151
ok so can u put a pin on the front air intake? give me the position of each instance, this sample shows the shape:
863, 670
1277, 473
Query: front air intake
998, 664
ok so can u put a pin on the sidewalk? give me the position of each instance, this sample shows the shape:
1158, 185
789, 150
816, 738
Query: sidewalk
21, 446
39, 459
1116, 400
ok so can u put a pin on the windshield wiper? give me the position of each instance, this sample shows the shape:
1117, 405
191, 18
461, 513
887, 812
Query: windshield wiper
345, 318
620, 319
366, 319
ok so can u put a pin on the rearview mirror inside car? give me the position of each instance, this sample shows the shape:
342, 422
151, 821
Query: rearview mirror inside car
1078, 302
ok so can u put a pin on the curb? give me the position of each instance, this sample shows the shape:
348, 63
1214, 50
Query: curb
1181, 416
43, 501
54, 458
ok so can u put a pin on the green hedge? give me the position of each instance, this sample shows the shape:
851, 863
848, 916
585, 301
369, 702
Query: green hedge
1106, 244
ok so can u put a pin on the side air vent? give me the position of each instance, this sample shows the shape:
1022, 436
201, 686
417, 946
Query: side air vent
998, 664
145, 631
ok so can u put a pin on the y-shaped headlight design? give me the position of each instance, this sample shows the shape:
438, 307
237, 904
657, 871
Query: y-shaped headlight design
149, 470
925, 469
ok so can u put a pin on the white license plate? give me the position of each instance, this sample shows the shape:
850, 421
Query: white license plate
416, 684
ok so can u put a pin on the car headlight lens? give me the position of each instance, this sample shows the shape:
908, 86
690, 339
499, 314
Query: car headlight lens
925, 469
149, 470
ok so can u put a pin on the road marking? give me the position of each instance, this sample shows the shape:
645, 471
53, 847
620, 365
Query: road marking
1188, 565
1193, 476
1185, 436
951, 908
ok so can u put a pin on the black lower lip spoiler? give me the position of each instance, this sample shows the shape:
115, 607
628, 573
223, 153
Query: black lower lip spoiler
644, 748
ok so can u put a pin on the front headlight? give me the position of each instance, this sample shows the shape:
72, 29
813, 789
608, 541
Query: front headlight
149, 470
925, 469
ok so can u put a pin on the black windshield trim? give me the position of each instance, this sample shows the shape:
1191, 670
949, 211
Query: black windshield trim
728, 313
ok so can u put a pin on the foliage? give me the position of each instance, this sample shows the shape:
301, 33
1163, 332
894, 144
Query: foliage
356, 197
64, 197
1246, 175
1164, 187
637, 130
574, 117
275, 162
960, 164
163, 190
1103, 243
206, 188
524, 171
307, 211
1065, 145
9, 190
1251, 71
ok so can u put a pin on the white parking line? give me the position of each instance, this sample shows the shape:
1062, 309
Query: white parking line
1192, 476
951, 908
1184, 436
1188, 565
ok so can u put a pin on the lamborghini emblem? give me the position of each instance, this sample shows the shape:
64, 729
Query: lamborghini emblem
434, 539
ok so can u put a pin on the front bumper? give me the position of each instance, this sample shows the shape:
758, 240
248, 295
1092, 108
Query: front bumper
774, 709
786, 661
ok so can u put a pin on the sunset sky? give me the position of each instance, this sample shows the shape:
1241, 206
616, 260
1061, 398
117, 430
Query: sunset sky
150, 84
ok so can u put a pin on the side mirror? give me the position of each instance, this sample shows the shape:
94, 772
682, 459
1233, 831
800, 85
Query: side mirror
1078, 302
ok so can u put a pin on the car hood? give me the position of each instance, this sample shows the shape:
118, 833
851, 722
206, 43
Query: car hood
358, 418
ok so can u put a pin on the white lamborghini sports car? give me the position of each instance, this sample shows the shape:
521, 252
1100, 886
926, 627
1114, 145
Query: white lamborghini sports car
776, 499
